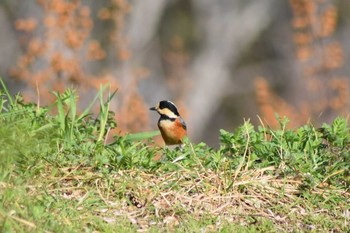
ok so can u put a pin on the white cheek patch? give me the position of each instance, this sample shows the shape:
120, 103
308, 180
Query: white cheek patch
167, 112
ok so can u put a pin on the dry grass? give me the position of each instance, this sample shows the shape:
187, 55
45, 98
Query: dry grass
165, 200
58, 174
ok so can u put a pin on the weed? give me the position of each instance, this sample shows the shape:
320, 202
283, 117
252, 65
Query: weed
59, 174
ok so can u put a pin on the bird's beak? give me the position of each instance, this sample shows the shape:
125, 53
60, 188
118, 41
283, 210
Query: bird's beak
153, 109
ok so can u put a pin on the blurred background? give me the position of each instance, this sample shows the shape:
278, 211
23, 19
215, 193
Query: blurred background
220, 61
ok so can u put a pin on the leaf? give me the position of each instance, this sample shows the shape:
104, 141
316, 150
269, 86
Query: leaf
141, 136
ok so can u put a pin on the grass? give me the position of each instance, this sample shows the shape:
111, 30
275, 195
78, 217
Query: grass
58, 174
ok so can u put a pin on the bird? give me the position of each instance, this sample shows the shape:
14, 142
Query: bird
171, 125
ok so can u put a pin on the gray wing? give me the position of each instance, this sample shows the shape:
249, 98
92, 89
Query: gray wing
183, 123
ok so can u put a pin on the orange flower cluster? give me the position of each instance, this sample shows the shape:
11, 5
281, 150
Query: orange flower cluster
340, 101
133, 113
26, 25
319, 53
304, 15
95, 52
270, 103
68, 20
116, 13
328, 21
314, 22
55, 59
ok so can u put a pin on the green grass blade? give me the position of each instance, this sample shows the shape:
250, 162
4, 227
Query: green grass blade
60, 109
104, 111
87, 111
103, 114
141, 136
6, 91
73, 113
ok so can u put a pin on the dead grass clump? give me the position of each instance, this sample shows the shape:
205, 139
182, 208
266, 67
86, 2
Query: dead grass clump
166, 200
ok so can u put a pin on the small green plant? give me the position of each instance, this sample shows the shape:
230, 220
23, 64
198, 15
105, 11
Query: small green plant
74, 127
58, 174
302, 151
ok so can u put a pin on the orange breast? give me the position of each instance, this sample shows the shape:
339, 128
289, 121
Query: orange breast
172, 131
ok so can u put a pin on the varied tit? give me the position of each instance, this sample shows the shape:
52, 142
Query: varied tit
171, 125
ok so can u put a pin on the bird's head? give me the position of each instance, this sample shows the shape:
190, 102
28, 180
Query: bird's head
166, 108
